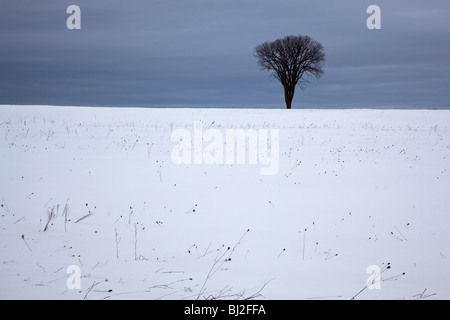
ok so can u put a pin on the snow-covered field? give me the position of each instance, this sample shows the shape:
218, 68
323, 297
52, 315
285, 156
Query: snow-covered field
95, 193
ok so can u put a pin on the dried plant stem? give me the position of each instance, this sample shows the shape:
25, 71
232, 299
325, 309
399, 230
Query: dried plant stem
281, 253
50, 216
84, 217
90, 213
219, 258
23, 238
258, 293
66, 214
377, 276
129, 215
135, 241
303, 252
239, 242
117, 244
4, 206
400, 233
211, 272
92, 286
422, 295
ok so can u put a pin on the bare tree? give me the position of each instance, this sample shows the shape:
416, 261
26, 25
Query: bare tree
293, 60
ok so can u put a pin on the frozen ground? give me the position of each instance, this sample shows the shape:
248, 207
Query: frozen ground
357, 191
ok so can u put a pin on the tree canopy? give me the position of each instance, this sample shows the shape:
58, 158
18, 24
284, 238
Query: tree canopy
293, 60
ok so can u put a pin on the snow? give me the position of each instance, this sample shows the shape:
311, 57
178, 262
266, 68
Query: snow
355, 191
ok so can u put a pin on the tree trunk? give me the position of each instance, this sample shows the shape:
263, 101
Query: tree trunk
288, 103
288, 97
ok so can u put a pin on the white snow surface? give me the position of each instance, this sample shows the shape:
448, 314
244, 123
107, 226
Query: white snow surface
356, 190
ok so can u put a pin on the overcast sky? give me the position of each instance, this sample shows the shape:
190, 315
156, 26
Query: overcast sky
189, 53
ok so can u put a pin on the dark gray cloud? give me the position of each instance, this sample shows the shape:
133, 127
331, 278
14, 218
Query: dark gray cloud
200, 53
